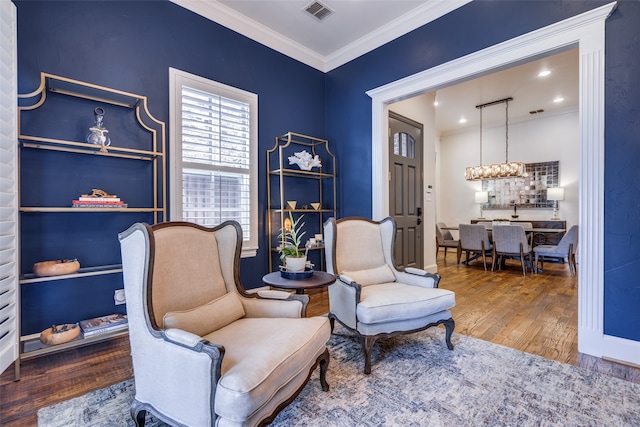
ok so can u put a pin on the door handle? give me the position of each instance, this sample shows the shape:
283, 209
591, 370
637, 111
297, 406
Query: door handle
419, 220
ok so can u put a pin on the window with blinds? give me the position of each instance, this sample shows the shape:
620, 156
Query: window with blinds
9, 309
213, 154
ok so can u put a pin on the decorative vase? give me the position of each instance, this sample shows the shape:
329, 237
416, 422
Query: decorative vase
98, 133
295, 264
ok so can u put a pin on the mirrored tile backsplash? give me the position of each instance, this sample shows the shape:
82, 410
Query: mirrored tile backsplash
529, 191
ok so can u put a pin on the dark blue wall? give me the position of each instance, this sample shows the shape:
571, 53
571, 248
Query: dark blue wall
478, 25
129, 45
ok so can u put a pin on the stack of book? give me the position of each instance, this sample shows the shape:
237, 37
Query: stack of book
98, 202
103, 324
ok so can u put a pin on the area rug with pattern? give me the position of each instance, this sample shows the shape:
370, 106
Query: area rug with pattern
417, 381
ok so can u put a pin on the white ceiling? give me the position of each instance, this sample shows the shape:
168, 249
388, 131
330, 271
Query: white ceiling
355, 28
529, 93
359, 26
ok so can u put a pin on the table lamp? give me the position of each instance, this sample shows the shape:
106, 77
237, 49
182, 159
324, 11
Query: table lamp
482, 197
555, 194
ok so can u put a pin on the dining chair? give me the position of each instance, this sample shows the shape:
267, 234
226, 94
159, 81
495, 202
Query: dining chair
444, 239
487, 225
511, 241
564, 250
528, 226
474, 239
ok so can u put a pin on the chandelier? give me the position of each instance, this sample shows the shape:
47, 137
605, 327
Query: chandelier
499, 170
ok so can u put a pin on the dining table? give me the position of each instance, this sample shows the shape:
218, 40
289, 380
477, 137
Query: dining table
526, 229
529, 230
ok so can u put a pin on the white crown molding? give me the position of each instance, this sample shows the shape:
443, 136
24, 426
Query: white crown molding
400, 26
227, 17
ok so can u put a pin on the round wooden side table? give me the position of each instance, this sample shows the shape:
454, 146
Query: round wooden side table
320, 279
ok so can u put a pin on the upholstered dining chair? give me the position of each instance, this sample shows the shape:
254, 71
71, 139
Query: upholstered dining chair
371, 296
474, 239
528, 226
444, 239
204, 351
511, 241
564, 250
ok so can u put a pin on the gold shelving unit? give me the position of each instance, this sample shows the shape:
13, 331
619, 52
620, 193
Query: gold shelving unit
52, 85
324, 189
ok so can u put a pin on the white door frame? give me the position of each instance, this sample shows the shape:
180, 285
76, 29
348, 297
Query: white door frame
587, 32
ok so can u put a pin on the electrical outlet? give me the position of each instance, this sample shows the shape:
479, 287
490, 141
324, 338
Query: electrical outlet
118, 297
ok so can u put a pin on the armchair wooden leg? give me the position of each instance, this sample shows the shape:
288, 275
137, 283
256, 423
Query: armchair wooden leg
138, 413
449, 325
367, 346
332, 321
324, 365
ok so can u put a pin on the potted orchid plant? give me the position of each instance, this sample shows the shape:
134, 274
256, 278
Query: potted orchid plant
292, 255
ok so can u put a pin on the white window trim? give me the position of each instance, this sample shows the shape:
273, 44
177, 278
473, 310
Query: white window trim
177, 79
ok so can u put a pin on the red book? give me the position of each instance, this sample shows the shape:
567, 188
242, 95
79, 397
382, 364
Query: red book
97, 202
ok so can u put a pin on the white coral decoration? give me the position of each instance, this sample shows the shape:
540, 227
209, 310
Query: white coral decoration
305, 161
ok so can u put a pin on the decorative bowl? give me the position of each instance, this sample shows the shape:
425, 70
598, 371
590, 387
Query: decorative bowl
58, 334
56, 268
291, 204
315, 206
308, 272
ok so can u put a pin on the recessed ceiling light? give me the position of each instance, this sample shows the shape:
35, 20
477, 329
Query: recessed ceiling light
544, 73
558, 99
435, 103
462, 120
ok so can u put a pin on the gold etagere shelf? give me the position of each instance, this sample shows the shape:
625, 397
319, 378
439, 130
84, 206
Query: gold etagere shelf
153, 152
324, 193
82, 272
31, 347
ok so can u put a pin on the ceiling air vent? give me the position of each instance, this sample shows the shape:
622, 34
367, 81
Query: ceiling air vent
536, 111
318, 10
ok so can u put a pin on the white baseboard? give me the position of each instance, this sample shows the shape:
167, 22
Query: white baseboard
621, 350
433, 268
590, 341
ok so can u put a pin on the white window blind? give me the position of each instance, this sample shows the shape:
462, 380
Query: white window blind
213, 154
215, 159
9, 326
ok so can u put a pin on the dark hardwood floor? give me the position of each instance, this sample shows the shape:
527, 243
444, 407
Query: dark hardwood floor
537, 314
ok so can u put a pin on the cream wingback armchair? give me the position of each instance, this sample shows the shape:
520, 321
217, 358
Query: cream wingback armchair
205, 352
371, 296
